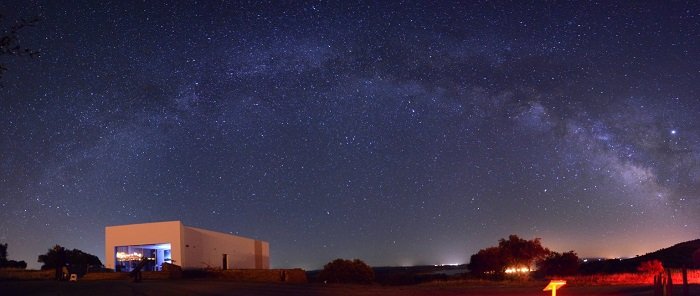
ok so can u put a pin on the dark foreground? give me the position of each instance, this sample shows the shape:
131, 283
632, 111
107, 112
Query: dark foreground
212, 287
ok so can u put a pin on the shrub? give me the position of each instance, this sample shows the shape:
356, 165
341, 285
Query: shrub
487, 261
13, 264
75, 260
650, 267
347, 271
561, 264
5, 263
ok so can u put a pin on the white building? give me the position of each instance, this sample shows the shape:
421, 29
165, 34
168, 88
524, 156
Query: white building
188, 247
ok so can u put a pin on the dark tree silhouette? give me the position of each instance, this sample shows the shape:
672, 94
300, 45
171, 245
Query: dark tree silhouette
4, 263
562, 264
75, 260
487, 261
347, 271
10, 43
55, 259
520, 252
3, 252
513, 252
79, 262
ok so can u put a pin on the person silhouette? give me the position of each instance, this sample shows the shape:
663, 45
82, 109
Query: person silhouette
136, 273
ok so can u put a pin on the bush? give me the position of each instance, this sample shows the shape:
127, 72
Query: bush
651, 267
487, 261
5, 263
347, 271
13, 264
75, 260
564, 264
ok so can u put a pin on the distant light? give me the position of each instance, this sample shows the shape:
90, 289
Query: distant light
447, 264
517, 270
673, 132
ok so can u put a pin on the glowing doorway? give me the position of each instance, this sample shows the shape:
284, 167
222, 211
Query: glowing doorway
127, 257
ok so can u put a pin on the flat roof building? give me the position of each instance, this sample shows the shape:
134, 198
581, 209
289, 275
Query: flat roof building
188, 247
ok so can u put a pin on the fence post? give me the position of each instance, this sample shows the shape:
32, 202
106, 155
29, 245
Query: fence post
685, 281
669, 283
664, 283
657, 285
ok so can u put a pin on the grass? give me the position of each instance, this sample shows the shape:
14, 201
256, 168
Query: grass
111, 283
236, 275
25, 274
220, 287
631, 278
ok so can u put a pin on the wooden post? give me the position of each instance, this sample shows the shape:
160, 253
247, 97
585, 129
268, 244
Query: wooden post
685, 281
657, 285
669, 283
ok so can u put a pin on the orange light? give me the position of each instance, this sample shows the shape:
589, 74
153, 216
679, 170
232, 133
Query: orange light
516, 269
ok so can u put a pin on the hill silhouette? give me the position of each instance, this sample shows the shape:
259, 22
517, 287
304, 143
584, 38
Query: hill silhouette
685, 254
677, 256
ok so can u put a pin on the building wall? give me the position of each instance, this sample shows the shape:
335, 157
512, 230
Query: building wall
144, 234
205, 249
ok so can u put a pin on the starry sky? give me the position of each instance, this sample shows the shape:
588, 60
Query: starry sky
396, 132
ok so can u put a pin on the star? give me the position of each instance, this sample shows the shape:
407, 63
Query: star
353, 125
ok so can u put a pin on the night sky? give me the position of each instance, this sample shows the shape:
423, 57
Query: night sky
397, 133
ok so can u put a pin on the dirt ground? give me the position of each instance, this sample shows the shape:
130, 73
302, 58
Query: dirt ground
211, 287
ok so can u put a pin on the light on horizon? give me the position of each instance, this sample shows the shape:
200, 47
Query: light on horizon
517, 270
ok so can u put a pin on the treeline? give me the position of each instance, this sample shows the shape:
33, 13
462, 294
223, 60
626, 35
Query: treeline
519, 257
686, 254
60, 259
64, 261
5, 263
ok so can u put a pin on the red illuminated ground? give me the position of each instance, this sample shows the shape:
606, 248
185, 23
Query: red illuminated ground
208, 287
